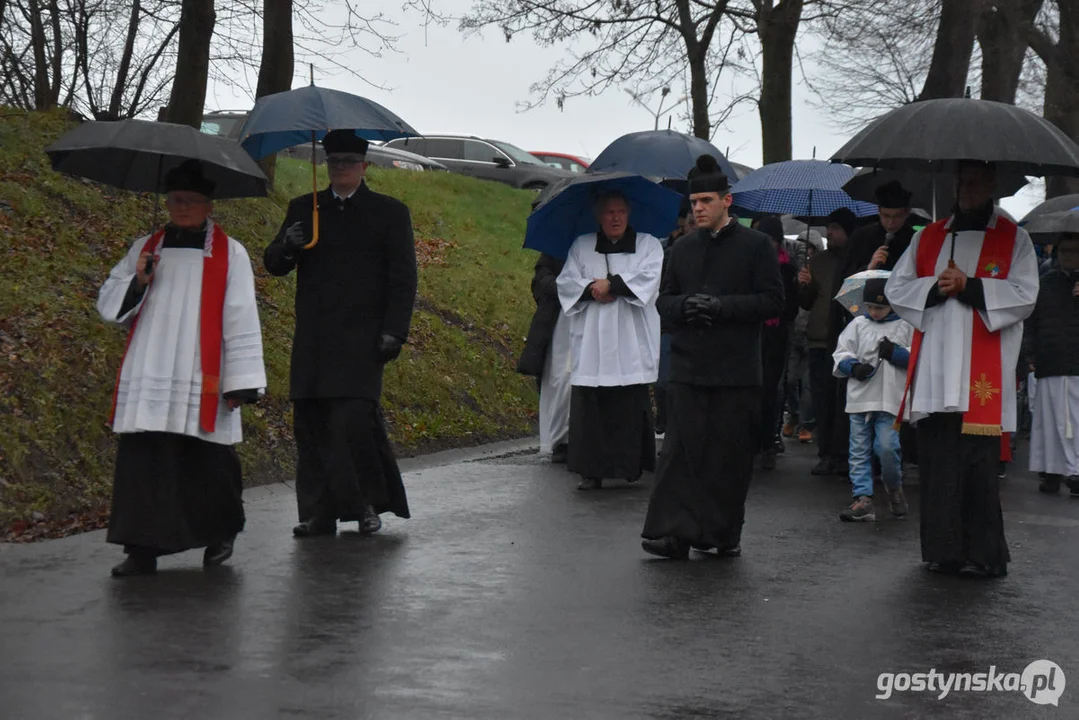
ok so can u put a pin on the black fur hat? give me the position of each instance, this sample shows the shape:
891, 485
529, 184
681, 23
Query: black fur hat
873, 292
706, 176
188, 177
892, 195
344, 141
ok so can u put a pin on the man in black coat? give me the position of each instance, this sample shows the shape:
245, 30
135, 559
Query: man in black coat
355, 291
721, 284
880, 245
547, 344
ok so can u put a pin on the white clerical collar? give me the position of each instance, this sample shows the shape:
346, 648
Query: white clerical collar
338, 197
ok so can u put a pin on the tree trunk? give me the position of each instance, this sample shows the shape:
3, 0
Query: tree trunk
41, 63
698, 94
1002, 34
117, 99
188, 98
57, 67
278, 62
953, 49
1062, 89
778, 28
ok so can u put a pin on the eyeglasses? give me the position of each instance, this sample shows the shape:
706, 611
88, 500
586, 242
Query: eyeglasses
187, 201
344, 160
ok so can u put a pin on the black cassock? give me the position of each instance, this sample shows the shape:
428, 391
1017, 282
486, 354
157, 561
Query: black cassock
357, 284
714, 387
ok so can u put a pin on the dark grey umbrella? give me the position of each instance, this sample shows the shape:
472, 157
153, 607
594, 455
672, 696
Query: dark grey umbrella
1054, 223
863, 186
137, 155
933, 135
1061, 203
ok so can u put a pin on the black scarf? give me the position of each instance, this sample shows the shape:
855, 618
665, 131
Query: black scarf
627, 244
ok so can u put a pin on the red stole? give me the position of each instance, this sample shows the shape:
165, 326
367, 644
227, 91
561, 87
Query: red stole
215, 273
986, 406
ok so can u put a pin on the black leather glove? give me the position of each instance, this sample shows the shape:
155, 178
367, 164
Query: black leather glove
294, 237
703, 305
861, 371
389, 347
885, 349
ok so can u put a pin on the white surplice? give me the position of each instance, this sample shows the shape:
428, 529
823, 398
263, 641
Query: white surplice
942, 376
1054, 437
555, 388
161, 379
613, 344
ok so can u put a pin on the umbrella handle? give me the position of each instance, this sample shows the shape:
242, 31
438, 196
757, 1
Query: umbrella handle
314, 196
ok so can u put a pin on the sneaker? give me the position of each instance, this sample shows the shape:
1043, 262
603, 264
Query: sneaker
789, 430
897, 504
1073, 486
861, 510
805, 436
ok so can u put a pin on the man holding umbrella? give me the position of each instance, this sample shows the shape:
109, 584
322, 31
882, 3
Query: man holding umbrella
966, 284
721, 284
355, 291
193, 357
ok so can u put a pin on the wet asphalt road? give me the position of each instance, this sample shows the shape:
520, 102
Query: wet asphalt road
512, 595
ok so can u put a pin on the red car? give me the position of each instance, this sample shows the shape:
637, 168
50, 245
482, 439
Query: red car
573, 163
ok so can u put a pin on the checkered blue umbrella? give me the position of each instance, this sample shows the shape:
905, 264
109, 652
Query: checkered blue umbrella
803, 188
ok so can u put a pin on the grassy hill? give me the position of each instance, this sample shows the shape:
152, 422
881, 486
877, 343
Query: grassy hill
454, 384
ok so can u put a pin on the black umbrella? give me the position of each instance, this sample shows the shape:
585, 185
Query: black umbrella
137, 155
1062, 203
1045, 227
863, 186
932, 135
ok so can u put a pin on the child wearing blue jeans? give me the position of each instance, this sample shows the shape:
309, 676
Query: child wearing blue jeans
873, 352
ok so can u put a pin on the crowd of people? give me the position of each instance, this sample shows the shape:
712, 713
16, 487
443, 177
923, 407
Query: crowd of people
720, 339
738, 334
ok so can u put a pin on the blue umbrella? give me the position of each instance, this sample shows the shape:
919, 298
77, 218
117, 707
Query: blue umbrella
657, 153
286, 119
804, 188
568, 213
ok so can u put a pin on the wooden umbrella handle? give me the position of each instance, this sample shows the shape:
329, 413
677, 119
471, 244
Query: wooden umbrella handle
314, 196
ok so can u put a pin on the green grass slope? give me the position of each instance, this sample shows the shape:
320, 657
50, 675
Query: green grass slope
454, 384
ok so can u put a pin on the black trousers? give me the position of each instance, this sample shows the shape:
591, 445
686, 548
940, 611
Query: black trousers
822, 385
774, 348
961, 517
705, 466
611, 434
345, 460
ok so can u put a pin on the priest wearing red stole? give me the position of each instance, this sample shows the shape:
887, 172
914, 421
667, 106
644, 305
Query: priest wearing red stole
966, 284
186, 296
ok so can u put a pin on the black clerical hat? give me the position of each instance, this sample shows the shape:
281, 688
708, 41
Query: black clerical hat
891, 195
188, 177
706, 176
873, 292
344, 141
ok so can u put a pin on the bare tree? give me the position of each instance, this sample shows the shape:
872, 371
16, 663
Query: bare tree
1003, 33
956, 32
645, 46
1055, 38
188, 97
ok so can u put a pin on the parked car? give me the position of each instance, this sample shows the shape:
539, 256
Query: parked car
484, 159
230, 123
573, 163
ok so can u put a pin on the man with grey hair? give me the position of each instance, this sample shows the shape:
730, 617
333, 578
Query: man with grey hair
608, 290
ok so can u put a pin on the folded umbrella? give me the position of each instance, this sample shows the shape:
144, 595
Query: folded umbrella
850, 292
568, 213
293, 117
137, 155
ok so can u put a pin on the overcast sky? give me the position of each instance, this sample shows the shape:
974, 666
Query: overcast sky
441, 81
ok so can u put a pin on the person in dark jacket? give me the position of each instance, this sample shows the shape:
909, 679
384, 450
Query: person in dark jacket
879, 245
546, 357
355, 291
722, 283
1051, 349
775, 345
659, 390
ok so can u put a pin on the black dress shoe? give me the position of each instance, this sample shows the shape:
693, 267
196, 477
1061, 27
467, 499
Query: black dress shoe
371, 522
731, 552
312, 528
136, 564
560, 454
984, 571
822, 468
668, 547
591, 484
945, 568
218, 553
